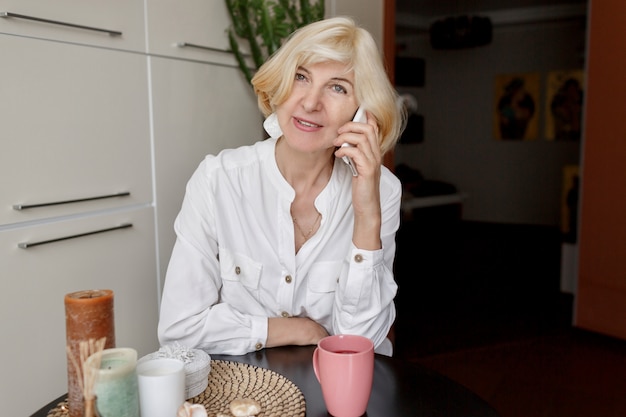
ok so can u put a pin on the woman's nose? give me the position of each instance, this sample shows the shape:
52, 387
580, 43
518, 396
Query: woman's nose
312, 101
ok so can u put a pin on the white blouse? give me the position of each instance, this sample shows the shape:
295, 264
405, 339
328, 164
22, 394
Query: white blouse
234, 263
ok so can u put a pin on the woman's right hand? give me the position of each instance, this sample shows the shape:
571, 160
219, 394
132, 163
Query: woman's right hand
299, 331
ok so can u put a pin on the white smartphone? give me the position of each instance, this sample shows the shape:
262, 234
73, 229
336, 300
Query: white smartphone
359, 117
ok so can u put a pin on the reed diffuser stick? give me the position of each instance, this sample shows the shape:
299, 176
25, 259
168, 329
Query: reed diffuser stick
86, 375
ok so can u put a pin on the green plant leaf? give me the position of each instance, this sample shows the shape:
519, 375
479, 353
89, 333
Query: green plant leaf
234, 46
263, 25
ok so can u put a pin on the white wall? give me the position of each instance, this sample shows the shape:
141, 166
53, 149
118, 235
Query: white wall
367, 13
507, 181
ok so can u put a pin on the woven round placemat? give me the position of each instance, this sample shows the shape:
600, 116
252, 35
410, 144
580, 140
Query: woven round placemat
277, 395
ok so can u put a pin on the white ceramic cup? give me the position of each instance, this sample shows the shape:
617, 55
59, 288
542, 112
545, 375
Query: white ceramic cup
161, 384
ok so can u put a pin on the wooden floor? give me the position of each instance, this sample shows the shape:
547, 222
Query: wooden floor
481, 304
567, 374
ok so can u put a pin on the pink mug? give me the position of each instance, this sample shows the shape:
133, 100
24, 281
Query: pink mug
344, 367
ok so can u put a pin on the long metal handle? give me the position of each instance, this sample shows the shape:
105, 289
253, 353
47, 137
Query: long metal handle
79, 200
26, 245
56, 22
206, 48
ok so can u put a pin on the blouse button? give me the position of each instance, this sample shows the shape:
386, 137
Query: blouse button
358, 258
284, 314
288, 279
237, 270
258, 346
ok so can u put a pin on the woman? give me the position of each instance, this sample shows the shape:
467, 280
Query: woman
278, 243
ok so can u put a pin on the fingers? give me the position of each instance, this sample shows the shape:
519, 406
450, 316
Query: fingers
365, 150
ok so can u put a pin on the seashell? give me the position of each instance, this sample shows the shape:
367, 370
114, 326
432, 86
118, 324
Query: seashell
244, 407
191, 410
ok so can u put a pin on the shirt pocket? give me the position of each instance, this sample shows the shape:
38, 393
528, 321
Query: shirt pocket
238, 268
322, 282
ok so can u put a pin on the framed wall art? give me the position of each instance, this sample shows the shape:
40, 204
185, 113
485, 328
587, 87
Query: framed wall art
564, 103
516, 106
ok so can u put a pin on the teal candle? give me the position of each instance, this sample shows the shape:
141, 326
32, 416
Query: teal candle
116, 389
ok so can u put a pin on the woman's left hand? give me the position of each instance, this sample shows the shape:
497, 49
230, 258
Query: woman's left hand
366, 156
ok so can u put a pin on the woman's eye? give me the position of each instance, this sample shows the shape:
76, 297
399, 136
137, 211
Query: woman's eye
300, 77
339, 89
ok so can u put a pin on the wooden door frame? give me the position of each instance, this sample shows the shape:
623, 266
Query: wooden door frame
389, 53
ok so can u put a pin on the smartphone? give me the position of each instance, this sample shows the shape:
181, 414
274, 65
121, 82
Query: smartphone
359, 117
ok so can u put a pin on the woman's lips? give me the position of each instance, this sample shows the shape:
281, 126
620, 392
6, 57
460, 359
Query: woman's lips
306, 124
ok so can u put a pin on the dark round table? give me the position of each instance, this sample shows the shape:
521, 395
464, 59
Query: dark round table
401, 388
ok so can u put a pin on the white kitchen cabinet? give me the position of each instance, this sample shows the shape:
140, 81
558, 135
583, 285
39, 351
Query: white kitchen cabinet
75, 124
115, 24
199, 24
34, 283
198, 109
87, 115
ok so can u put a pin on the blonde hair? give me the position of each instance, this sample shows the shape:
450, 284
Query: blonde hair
336, 39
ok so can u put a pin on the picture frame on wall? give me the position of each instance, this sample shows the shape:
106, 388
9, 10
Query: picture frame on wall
516, 106
564, 105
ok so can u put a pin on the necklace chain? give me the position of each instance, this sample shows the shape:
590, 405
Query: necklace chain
308, 234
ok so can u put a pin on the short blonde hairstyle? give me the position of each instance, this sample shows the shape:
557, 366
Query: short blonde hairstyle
336, 39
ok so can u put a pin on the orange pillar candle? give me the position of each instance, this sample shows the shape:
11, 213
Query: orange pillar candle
88, 315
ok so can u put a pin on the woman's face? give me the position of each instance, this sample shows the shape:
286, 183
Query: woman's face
322, 100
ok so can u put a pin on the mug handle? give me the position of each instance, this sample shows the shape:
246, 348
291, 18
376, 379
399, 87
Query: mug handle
315, 361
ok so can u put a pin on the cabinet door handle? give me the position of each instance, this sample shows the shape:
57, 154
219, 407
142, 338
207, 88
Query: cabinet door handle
206, 48
26, 245
78, 200
56, 22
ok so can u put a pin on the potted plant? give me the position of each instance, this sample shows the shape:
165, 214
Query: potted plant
260, 27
